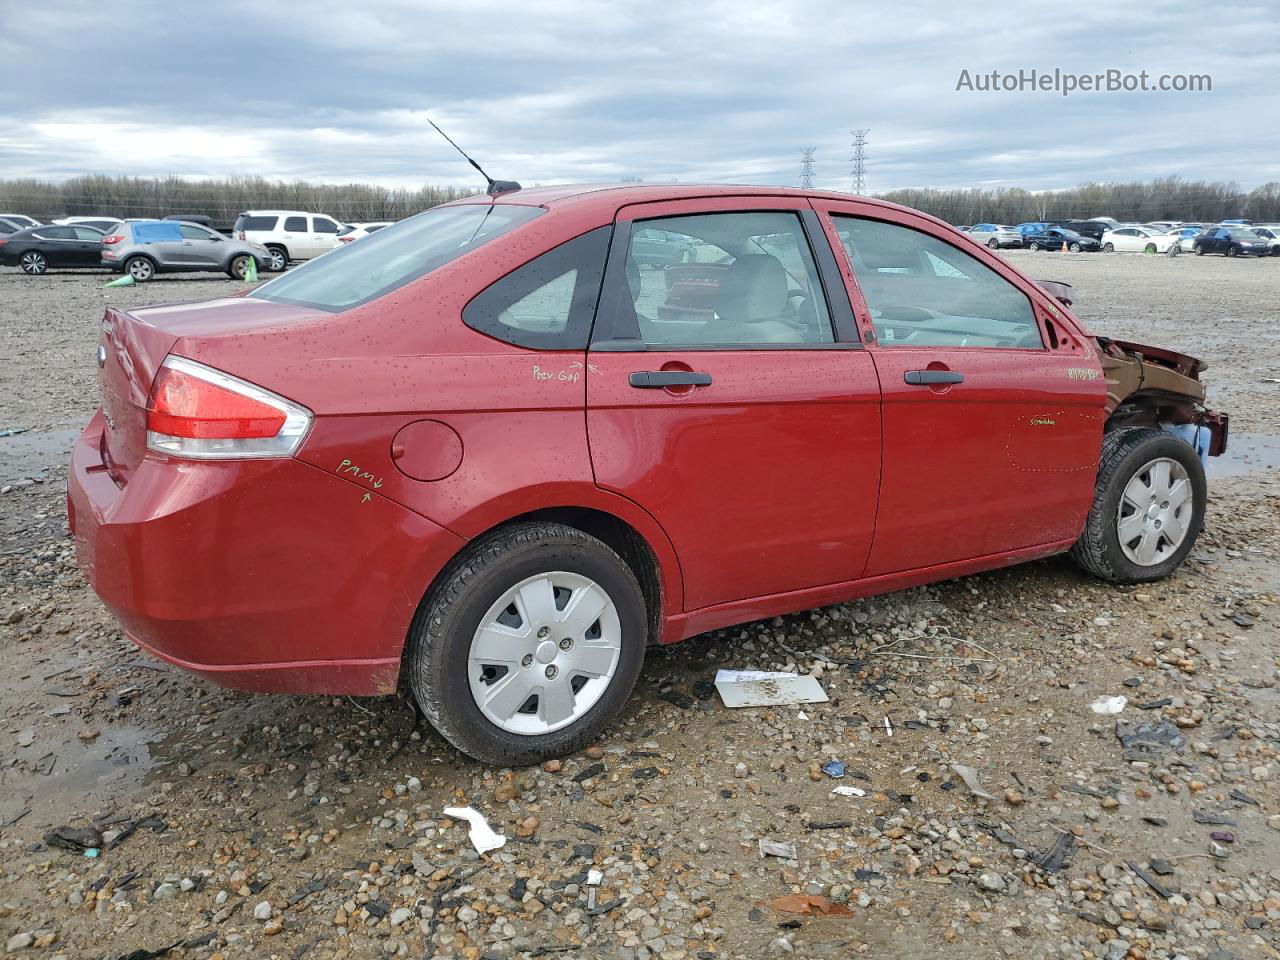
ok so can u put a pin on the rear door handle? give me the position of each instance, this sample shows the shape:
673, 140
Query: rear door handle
649, 379
920, 378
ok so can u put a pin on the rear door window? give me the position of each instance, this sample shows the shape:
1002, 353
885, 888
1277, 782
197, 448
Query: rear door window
56, 233
296, 224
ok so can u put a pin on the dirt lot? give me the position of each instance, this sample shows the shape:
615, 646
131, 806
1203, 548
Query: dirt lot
242, 826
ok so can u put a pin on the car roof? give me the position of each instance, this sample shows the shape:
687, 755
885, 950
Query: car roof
611, 196
283, 213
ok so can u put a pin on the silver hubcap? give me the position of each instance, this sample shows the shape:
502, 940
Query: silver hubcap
544, 653
1155, 512
33, 262
140, 270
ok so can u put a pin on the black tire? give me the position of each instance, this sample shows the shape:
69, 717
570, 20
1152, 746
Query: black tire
440, 638
141, 269
1108, 248
1232, 251
34, 263
1124, 453
1275, 251
1199, 250
238, 267
993, 243
280, 258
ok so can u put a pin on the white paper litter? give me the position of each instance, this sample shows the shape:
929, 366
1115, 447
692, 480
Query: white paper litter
970, 778
763, 688
594, 877
772, 848
483, 837
848, 792
1108, 704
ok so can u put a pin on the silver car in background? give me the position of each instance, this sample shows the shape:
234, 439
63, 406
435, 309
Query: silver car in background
143, 248
995, 236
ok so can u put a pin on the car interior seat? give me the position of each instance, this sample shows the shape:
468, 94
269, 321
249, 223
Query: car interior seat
751, 302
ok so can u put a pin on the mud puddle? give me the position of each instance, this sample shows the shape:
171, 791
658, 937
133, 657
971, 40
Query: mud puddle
31, 454
1247, 453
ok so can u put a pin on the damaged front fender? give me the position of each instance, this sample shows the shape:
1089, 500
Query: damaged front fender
1152, 386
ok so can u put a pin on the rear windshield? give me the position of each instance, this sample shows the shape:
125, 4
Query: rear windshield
245, 222
403, 252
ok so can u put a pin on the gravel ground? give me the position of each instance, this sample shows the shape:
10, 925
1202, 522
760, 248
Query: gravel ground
251, 826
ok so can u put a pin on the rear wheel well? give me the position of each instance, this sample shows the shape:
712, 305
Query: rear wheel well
617, 534
624, 539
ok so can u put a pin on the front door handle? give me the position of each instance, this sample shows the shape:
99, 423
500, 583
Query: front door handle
649, 379
920, 378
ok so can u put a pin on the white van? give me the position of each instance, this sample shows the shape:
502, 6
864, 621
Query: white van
288, 234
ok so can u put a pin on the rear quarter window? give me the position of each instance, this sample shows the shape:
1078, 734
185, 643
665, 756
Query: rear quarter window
256, 223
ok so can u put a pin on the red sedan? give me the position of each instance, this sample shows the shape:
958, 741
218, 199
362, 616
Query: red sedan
491, 453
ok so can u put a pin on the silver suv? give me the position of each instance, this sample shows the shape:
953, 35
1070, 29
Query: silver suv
143, 248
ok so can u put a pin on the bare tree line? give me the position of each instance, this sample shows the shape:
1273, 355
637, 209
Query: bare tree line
220, 199
1165, 199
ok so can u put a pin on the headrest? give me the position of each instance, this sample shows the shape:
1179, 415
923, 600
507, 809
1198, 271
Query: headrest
753, 288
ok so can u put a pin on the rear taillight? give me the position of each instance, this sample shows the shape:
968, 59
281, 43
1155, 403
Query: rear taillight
112, 238
3, 239
345, 239
196, 411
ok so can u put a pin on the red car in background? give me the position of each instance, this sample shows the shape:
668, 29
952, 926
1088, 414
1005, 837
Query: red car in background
484, 454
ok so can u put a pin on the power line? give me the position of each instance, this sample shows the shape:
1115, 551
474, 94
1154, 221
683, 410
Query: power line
806, 168
858, 161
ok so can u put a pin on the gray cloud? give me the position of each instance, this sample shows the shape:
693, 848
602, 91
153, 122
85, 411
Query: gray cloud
561, 91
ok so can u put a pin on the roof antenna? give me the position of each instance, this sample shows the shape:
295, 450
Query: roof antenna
495, 186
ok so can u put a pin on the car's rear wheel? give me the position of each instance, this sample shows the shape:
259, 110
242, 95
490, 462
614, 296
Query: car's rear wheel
34, 262
1108, 248
1033, 245
279, 259
1275, 251
993, 243
1232, 251
1148, 507
528, 645
239, 268
140, 268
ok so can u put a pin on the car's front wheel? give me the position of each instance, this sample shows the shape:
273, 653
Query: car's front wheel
239, 268
529, 644
1148, 507
1075, 248
1199, 250
1233, 251
34, 262
1033, 245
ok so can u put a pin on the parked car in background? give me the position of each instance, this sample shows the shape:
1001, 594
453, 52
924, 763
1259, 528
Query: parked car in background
1272, 236
98, 223
1054, 238
143, 248
200, 218
20, 219
310, 489
10, 226
1137, 240
1237, 223
1032, 226
1163, 226
1186, 235
36, 250
661, 248
1231, 242
356, 231
288, 234
995, 236
1093, 229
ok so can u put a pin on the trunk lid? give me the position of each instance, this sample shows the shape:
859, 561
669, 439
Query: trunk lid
133, 344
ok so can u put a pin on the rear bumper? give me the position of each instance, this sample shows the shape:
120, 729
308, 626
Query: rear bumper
263, 575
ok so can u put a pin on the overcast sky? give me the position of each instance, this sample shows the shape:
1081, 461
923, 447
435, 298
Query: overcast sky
569, 91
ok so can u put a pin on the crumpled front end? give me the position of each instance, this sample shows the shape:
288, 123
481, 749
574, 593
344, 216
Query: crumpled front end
1155, 387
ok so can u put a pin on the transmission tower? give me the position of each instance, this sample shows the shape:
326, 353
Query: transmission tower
806, 168
858, 161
